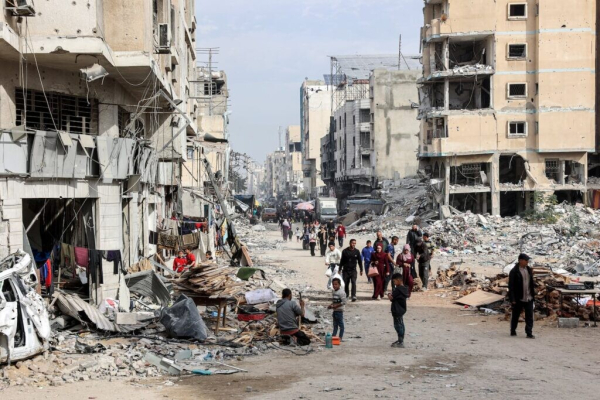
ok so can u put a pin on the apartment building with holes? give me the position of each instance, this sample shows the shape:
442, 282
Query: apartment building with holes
95, 109
507, 101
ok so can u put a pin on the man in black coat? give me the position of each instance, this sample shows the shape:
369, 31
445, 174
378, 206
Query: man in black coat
350, 259
521, 293
412, 237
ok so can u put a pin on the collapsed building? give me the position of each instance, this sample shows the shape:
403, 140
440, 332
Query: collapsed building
373, 129
507, 102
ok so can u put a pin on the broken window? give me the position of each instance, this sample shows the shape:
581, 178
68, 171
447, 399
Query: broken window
517, 11
134, 131
469, 94
512, 169
517, 90
467, 53
364, 115
552, 168
439, 128
517, 129
56, 112
468, 174
517, 51
366, 161
365, 140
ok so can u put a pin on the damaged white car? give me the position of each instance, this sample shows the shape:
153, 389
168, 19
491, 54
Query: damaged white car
24, 323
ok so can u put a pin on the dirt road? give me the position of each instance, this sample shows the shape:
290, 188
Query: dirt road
449, 354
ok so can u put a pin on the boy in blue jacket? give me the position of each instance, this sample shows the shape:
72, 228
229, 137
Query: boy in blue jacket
366, 256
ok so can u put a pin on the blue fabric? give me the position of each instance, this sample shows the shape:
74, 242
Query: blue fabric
391, 250
366, 254
338, 322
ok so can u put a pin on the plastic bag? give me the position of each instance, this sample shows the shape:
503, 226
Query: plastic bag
182, 320
260, 296
328, 272
109, 307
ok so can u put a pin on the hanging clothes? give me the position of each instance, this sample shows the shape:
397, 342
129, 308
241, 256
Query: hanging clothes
95, 274
82, 257
167, 241
115, 257
67, 255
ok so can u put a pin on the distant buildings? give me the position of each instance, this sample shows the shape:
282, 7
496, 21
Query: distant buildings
293, 159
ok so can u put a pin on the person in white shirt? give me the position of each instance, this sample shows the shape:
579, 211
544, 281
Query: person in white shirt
333, 257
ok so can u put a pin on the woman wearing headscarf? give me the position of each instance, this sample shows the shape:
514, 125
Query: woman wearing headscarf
404, 261
312, 241
380, 260
285, 228
322, 240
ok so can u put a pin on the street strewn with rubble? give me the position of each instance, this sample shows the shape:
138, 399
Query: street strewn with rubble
451, 351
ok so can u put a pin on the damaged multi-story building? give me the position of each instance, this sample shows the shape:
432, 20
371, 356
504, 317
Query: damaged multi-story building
374, 129
96, 111
275, 174
507, 101
315, 115
293, 160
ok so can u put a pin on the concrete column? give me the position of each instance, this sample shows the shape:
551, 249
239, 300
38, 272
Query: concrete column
493, 178
446, 94
484, 206
561, 172
447, 183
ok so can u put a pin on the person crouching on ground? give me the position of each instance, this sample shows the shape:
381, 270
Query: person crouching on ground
398, 298
288, 312
337, 305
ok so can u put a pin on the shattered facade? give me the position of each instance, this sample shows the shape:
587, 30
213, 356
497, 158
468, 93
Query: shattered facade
95, 109
374, 131
275, 173
293, 159
507, 102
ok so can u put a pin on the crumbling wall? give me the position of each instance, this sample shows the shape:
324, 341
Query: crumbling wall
396, 128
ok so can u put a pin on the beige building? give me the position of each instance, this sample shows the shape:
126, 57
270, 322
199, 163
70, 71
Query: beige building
374, 133
507, 101
94, 114
275, 174
293, 160
315, 115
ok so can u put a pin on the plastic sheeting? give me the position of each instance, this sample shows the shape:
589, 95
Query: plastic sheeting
183, 320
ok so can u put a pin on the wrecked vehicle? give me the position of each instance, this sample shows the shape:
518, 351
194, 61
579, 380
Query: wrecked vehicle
24, 323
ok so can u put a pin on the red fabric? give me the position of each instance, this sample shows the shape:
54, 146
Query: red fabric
290, 333
191, 258
407, 279
82, 257
379, 260
341, 231
179, 264
48, 280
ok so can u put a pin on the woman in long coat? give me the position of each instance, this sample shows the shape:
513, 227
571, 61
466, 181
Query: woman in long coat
380, 260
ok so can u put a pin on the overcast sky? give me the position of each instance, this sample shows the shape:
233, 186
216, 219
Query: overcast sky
268, 47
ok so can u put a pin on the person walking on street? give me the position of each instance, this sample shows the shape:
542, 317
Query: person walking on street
411, 238
333, 256
380, 260
322, 235
298, 234
424, 249
350, 259
285, 227
337, 305
521, 294
391, 250
366, 257
312, 241
405, 260
381, 240
341, 234
398, 298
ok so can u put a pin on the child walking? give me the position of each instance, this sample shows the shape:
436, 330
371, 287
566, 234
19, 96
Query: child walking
337, 305
398, 298
297, 234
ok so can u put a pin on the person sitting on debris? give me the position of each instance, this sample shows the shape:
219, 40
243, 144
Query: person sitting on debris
288, 312
412, 236
179, 263
337, 305
208, 255
406, 261
190, 257
521, 292
366, 257
398, 298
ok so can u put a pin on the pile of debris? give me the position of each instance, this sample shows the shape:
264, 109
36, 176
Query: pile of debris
210, 280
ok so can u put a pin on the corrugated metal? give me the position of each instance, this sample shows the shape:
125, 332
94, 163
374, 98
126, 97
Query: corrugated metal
13, 155
149, 284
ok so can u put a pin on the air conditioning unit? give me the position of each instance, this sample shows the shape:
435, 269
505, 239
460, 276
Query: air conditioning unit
21, 8
164, 39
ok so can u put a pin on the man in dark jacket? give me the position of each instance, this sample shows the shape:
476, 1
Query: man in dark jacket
398, 298
350, 259
411, 238
380, 240
521, 294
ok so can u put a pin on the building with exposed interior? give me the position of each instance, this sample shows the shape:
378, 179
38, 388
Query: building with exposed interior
374, 129
96, 111
293, 160
507, 101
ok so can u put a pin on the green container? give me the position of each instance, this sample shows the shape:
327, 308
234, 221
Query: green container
328, 341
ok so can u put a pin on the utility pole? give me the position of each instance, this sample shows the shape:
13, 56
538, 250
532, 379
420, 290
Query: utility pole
399, 51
